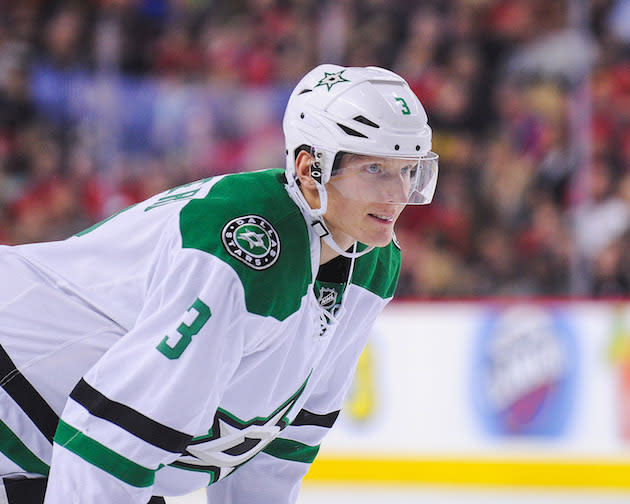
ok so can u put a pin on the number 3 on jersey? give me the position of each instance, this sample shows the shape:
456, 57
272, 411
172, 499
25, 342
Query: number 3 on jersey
186, 332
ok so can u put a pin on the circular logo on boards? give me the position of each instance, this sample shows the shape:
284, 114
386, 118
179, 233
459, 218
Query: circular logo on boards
525, 371
251, 240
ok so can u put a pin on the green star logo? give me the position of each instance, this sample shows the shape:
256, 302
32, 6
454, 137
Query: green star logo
330, 79
231, 442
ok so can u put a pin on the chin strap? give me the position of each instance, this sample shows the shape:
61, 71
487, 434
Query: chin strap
322, 231
317, 221
296, 195
353, 255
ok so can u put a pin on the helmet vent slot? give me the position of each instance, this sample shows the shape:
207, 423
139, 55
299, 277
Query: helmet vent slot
351, 132
366, 121
304, 91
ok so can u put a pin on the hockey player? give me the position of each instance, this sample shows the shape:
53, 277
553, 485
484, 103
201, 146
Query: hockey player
207, 336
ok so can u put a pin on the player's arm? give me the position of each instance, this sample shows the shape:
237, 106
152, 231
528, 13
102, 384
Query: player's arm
274, 475
141, 403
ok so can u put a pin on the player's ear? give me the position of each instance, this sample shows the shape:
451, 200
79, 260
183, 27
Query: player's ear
303, 170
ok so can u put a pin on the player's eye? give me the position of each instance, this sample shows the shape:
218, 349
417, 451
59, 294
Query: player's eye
373, 168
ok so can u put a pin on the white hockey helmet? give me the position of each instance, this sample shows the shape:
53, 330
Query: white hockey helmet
369, 111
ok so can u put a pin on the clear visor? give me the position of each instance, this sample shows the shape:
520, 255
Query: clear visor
408, 181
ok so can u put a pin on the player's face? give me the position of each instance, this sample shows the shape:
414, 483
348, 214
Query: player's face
365, 198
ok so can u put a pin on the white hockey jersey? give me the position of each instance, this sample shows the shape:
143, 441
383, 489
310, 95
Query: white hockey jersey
181, 340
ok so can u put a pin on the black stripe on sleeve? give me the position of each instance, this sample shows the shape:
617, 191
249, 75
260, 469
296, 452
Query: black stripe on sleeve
27, 398
305, 417
129, 419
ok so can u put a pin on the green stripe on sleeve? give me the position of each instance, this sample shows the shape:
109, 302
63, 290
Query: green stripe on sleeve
13, 448
288, 449
102, 457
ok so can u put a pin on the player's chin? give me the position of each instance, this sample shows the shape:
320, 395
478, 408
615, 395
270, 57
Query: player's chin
380, 239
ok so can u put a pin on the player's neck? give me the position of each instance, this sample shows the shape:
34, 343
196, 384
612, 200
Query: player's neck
327, 253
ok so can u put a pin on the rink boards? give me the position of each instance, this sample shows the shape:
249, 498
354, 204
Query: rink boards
499, 394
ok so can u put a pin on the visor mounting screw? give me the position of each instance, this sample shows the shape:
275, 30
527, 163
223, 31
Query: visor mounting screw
396, 147
319, 154
302, 115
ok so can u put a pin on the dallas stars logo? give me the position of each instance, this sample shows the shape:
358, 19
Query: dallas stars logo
252, 240
231, 441
330, 79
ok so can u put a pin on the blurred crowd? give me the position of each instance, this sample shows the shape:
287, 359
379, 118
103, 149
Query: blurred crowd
104, 103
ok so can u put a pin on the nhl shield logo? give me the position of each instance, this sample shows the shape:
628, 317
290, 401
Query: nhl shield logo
327, 297
252, 240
